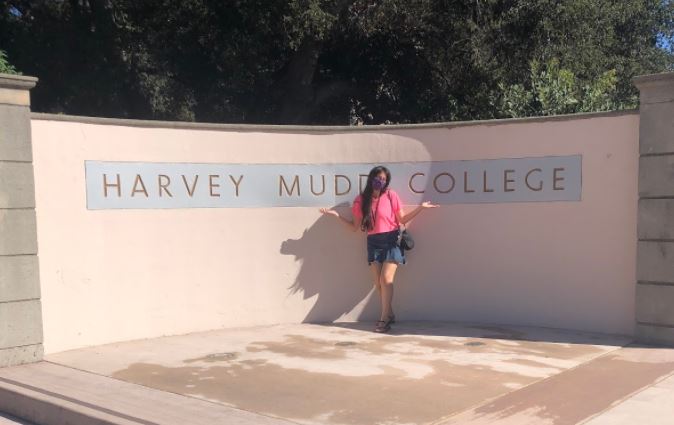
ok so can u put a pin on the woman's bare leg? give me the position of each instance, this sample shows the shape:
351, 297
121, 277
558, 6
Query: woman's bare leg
387, 275
376, 276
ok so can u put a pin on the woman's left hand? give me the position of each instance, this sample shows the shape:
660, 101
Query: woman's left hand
428, 204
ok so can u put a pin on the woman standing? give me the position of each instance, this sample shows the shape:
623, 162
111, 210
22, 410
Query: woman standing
378, 211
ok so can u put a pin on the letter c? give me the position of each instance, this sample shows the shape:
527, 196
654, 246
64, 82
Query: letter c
410, 184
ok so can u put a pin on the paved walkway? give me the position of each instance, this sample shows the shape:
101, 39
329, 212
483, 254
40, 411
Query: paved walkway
421, 373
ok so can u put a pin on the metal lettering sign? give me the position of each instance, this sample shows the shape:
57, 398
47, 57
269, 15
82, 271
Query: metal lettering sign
127, 185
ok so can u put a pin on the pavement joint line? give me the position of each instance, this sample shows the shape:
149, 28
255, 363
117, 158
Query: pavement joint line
627, 397
655, 240
647, 155
18, 301
76, 401
656, 325
658, 102
13, 104
655, 283
178, 394
444, 419
19, 346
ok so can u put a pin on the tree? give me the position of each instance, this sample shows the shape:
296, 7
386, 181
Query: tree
553, 90
5, 66
335, 61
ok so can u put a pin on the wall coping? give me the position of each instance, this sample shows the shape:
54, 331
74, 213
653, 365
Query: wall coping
317, 128
10, 81
662, 78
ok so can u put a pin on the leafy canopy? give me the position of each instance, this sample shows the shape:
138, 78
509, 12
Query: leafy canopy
335, 61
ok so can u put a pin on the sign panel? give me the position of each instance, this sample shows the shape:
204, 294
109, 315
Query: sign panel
148, 185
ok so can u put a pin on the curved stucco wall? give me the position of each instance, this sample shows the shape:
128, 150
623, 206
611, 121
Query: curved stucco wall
113, 275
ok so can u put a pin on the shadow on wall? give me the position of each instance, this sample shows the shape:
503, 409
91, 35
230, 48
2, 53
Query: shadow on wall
334, 270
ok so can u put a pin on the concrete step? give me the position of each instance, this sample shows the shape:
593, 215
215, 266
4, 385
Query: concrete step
48, 394
6, 419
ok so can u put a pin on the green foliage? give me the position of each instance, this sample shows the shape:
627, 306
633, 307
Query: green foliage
335, 61
552, 90
308, 19
5, 66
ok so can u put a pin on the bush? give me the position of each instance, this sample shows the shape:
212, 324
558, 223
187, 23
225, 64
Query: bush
5, 66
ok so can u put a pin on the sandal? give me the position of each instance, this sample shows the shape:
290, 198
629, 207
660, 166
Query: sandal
391, 319
382, 326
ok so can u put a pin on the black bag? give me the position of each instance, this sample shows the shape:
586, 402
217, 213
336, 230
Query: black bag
405, 240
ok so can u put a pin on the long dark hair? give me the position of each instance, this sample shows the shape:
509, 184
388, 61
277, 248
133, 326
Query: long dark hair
366, 197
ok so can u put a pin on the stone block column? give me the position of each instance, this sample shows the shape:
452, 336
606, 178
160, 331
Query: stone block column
20, 309
655, 253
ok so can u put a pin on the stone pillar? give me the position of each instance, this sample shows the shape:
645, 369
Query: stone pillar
20, 309
655, 253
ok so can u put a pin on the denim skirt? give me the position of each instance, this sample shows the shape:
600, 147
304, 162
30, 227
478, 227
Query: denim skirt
383, 247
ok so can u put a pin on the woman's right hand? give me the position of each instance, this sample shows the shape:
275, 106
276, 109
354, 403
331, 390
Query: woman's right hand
328, 211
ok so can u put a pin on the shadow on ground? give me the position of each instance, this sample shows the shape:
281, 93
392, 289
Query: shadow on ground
491, 331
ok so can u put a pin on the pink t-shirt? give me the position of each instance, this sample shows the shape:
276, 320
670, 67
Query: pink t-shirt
384, 209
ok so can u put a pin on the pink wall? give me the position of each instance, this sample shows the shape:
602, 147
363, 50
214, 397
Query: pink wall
115, 275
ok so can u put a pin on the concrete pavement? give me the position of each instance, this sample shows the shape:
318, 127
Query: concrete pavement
421, 373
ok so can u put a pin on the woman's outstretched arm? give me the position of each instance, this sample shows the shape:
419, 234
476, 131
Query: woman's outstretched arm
350, 224
405, 218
